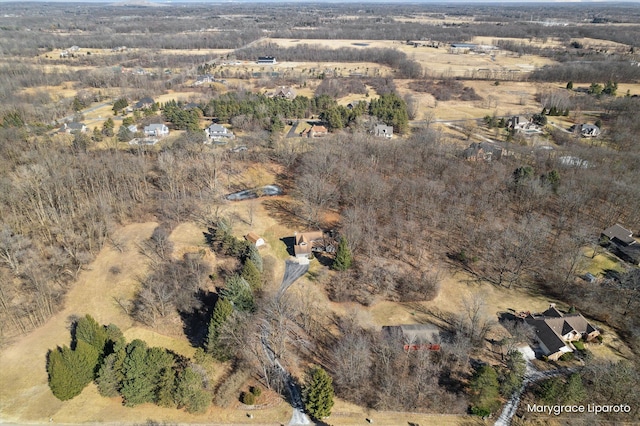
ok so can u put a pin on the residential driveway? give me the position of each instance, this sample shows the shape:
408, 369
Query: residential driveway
292, 271
530, 376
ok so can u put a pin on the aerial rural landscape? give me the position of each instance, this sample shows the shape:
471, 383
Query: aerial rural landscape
319, 213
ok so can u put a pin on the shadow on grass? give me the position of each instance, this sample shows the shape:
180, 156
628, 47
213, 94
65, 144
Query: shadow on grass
195, 323
285, 212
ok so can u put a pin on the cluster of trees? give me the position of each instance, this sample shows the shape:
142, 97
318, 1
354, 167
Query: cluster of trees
392, 110
488, 384
182, 119
240, 288
445, 90
135, 372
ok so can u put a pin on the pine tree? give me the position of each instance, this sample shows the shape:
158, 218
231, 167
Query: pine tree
238, 291
318, 393
190, 392
63, 381
254, 256
221, 313
137, 386
252, 275
109, 377
484, 387
343, 258
88, 330
165, 392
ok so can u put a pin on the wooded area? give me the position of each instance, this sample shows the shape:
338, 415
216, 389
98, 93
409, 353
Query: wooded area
408, 212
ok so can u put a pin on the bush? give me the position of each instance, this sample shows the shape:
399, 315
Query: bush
567, 356
255, 391
248, 398
579, 345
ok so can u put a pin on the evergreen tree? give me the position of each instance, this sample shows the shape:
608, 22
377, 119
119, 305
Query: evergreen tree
574, 392
63, 367
514, 374
252, 275
238, 291
165, 392
107, 127
254, 256
190, 392
570, 85
484, 387
96, 136
318, 393
109, 379
343, 258
221, 313
124, 134
138, 386
88, 330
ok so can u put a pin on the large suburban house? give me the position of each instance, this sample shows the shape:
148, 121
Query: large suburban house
285, 92
144, 103
73, 128
315, 132
555, 331
523, 125
218, 132
157, 129
307, 242
414, 337
483, 151
382, 130
586, 130
622, 243
266, 60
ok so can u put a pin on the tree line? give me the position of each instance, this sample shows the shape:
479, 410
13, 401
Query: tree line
133, 371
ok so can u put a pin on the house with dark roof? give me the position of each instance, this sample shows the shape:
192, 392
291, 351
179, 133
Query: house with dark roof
285, 92
586, 130
482, 151
622, 243
266, 60
555, 331
144, 103
414, 337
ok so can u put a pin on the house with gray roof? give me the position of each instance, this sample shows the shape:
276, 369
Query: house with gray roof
156, 129
555, 331
218, 132
73, 128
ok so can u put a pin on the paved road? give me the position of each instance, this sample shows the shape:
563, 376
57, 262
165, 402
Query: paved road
84, 111
292, 132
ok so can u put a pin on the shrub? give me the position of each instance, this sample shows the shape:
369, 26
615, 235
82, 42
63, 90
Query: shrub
256, 391
579, 345
248, 398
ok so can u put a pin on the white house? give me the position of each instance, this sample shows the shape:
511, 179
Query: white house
218, 132
156, 129
382, 130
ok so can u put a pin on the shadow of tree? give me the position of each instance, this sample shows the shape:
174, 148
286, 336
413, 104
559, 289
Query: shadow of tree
195, 323
285, 212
